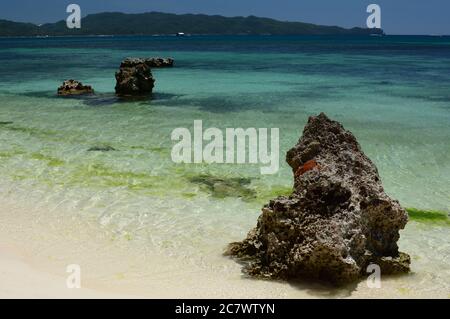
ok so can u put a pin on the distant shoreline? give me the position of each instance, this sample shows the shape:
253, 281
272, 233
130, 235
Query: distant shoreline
217, 35
152, 23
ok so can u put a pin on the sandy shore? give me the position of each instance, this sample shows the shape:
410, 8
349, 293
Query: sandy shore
37, 246
20, 280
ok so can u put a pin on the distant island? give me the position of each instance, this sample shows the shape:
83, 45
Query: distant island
157, 23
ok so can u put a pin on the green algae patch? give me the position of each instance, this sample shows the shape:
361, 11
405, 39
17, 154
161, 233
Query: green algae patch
29, 131
159, 150
100, 175
156, 150
51, 161
104, 171
189, 195
223, 187
428, 216
10, 154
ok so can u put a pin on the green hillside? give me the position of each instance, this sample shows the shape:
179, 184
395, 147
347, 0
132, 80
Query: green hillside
164, 23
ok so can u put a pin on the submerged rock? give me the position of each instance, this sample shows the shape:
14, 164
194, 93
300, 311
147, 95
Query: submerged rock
6, 123
134, 78
337, 221
101, 148
221, 187
73, 87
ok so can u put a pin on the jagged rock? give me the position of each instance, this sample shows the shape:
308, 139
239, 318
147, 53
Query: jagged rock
159, 62
73, 87
134, 78
150, 62
337, 221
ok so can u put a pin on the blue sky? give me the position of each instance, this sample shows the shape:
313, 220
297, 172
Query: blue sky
398, 16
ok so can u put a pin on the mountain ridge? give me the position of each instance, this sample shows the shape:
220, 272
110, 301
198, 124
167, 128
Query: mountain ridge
159, 23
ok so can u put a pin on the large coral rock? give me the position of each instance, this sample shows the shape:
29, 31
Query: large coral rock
134, 78
337, 221
73, 87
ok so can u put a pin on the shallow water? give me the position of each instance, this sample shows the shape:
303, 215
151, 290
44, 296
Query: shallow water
392, 92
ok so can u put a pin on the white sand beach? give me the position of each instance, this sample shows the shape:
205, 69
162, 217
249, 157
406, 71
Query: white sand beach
20, 280
35, 252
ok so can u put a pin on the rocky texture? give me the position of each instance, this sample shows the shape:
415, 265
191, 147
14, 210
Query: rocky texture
159, 62
73, 87
337, 221
134, 78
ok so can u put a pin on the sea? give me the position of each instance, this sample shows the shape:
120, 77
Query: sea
138, 221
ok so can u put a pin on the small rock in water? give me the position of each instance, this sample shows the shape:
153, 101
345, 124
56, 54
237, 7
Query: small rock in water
134, 78
102, 148
159, 62
150, 62
73, 87
338, 220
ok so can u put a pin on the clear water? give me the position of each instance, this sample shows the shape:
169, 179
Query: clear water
392, 92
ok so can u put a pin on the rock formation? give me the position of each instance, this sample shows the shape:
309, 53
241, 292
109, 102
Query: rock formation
135, 75
134, 78
159, 62
337, 221
72, 87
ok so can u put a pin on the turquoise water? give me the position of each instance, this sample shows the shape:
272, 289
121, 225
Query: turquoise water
392, 92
